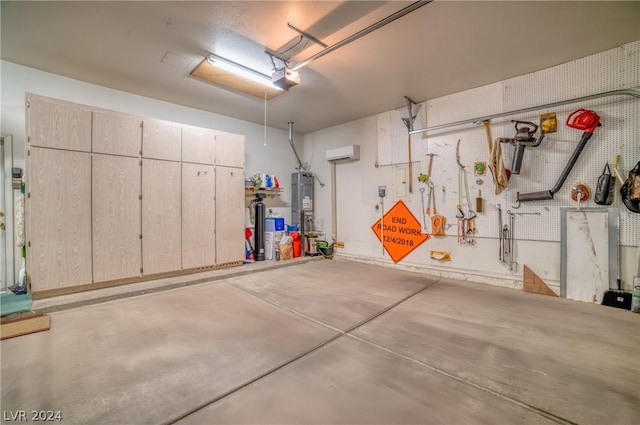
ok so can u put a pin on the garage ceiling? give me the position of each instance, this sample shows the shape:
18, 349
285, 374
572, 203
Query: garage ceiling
150, 47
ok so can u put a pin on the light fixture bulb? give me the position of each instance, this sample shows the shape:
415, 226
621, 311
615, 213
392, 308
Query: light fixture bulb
242, 71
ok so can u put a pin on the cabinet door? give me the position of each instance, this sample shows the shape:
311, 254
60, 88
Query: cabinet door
229, 215
58, 217
198, 216
229, 149
58, 124
116, 133
161, 217
117, 249
161, 140
198, 145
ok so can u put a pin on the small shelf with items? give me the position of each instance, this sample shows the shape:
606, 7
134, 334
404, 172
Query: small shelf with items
268, 191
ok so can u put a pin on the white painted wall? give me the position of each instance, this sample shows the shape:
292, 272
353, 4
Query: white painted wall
537, 237
275, 158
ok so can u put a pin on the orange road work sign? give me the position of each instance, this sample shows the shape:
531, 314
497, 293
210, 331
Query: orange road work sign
401, 231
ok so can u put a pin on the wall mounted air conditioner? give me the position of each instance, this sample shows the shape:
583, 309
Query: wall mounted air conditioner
351, 153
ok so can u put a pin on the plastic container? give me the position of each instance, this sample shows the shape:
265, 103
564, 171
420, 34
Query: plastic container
274, 224
297, 248
269, 244
635, 296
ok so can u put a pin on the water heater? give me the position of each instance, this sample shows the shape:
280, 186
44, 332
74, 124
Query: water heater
302, 201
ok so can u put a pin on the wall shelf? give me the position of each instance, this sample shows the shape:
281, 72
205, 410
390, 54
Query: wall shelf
269, 191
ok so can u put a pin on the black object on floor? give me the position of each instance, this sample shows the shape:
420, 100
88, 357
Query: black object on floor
618, 299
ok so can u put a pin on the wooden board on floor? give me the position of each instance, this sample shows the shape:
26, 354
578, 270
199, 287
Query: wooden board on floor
535, 285
25, 326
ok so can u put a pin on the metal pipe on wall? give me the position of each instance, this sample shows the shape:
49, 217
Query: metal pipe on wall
634, 92
293, 146
334, 206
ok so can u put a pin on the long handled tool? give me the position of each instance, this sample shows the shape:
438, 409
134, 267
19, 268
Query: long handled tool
410, 164
500, 232
581, 119
512, 265
412, 113
466, 226
429, 180
437, 221
496, 163
424, 211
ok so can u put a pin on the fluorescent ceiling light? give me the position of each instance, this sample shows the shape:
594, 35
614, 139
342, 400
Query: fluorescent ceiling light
241, 70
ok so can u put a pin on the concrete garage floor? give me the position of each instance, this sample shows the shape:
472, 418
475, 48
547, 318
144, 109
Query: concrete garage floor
330, 342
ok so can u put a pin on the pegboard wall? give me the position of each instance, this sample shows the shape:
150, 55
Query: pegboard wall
393, 137
542, 166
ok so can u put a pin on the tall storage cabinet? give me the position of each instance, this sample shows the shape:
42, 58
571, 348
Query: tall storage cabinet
198, 221
113, 198
59, 220
198, 197
161, 216
58, 226
117, 247
230, 199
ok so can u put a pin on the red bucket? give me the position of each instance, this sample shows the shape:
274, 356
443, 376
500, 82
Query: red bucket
297, 247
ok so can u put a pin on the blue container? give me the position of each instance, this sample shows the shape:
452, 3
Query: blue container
274, 224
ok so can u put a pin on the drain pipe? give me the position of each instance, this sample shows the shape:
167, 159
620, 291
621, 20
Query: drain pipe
301, 167
293, 146
334, 206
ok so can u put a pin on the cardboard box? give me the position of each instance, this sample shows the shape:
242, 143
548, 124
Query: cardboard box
286, 251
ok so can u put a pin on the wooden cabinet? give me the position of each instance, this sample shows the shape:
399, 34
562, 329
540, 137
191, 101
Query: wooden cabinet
229, 149
161, 216
59, 218
116, 133
161, 140
117, 248
57, 124
115, 198
198, 145
199, 216
229, 221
